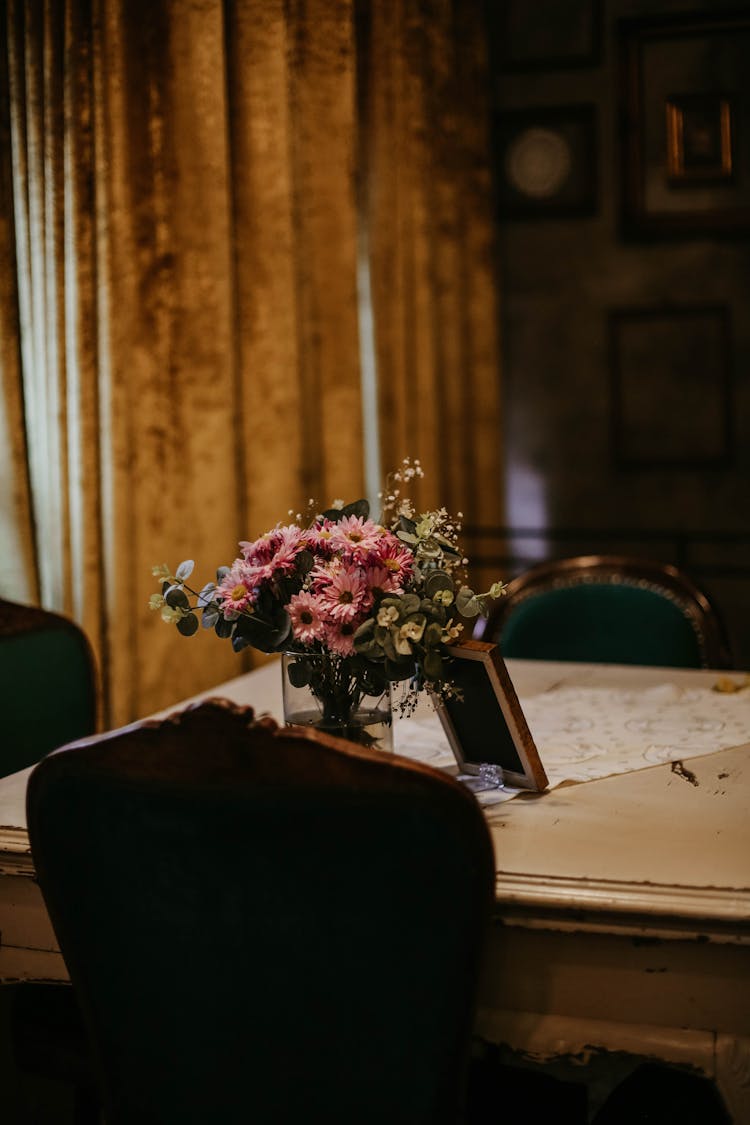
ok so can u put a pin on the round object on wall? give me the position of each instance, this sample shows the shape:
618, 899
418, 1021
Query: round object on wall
538, 162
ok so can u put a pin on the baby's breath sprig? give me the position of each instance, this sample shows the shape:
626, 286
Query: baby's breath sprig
393, 503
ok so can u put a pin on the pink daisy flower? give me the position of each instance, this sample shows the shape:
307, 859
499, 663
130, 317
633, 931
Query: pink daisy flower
287, 544
355, 536
319, 538
397, 559
339, 637
308, 623
343, 596
380, 580
236, 591
259, 551
323, 572
276, 550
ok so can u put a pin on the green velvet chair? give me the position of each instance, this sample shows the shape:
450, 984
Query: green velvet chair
263, 924
608, 609
47, 685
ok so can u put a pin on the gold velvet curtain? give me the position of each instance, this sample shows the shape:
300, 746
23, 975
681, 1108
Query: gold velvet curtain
428, 204
179, 351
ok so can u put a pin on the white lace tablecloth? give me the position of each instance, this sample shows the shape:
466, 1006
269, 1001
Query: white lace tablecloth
592, 721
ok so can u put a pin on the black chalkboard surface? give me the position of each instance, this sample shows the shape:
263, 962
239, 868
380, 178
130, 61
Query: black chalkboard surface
486, 726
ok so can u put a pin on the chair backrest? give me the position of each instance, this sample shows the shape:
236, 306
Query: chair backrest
608, 609
264, 924
47, 684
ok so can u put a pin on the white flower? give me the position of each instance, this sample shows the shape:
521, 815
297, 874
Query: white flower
409, 631
387, 614
172, 614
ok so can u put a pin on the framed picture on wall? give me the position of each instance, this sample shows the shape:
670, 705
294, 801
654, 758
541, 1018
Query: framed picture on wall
685, 111
701, 131
683, 355
545, 162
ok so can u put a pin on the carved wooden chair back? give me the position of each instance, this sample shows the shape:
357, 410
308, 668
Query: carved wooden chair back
264, 924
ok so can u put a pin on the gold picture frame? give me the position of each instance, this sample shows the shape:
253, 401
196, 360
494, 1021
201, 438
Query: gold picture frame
699, 138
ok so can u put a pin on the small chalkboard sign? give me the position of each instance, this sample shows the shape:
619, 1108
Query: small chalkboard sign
486, 726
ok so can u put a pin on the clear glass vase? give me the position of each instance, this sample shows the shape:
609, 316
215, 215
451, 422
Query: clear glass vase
333, 694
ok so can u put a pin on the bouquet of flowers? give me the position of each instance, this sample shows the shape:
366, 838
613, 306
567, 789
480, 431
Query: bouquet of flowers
376, 602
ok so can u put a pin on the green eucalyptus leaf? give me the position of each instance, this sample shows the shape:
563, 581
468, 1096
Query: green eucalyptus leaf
438, 580
267, 635
188, 625
282, 634
299, 673
407, 525
222, 572
407, 537
224, 628
359, 508
210, 616
176, 598
206, 594
463, 598
369, 648
433, 665
365, 630
381, 632
184, 570
393, 655
239, 642
433, 635
409, 604
304, 563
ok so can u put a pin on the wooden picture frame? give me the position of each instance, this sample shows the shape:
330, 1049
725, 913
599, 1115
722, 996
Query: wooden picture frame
700, 134
683, 355
545, 162
486, 727
684, 113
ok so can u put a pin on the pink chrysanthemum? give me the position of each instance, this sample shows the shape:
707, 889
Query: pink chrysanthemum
323, 572
380, 580
356, 537
319, 538
276, 550
308, 622
236, 591
339, 637
259, 551
343, 596
397, 559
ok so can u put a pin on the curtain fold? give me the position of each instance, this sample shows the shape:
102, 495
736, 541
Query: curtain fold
293, 130
19, 579
428, 207
180, 354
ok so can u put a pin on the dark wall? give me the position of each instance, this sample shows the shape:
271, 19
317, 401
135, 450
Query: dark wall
625, 288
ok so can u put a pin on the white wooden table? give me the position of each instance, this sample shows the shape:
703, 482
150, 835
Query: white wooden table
623, 904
